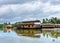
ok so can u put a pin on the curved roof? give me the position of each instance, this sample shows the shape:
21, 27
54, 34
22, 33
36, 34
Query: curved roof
32, 21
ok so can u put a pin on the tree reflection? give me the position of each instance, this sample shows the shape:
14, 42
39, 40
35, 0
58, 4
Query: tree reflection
36, 33
52, 33
29, 33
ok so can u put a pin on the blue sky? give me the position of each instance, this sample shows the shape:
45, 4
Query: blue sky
21, 10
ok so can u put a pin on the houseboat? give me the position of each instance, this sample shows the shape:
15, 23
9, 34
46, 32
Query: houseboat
28, 24
35, 25
7, 28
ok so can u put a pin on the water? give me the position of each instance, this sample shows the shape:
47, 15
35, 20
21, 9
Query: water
31, 36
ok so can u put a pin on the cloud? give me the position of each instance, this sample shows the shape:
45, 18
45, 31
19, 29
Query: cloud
55, 2
28, 19
28, 10
7, 2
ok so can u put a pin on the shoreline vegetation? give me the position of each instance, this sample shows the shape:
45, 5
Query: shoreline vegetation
53, 20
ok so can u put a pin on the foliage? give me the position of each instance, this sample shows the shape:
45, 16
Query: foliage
1, 26
53, 20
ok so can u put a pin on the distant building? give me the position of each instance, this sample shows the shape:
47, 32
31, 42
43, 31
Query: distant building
7, 28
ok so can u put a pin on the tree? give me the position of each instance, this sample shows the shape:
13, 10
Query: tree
5, 23
53, 20
44, 21
9, 23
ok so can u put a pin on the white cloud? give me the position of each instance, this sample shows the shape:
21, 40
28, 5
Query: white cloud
56, 15
3, 9
27, 11
28, 19
47, 8
27, 6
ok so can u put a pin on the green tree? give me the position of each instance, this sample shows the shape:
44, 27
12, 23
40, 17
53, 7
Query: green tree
44, 21
9, 23
5, 23
53, 20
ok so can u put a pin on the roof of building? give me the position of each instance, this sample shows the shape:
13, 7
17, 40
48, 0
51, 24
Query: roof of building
9, 25
32, 21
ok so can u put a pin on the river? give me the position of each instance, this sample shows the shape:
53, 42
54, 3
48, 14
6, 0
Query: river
31, 36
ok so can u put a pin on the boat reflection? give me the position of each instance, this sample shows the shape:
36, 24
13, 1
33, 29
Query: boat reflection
29, 33
54, 33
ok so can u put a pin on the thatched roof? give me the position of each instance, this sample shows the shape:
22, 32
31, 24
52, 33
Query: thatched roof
9, 25
32, 21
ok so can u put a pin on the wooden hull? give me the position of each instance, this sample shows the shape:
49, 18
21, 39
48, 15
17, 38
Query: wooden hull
37, 26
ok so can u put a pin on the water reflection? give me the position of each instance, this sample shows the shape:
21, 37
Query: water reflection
36, 33
31, 36
29, 33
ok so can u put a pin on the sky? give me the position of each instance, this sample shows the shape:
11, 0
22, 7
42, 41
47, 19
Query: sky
22, 10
